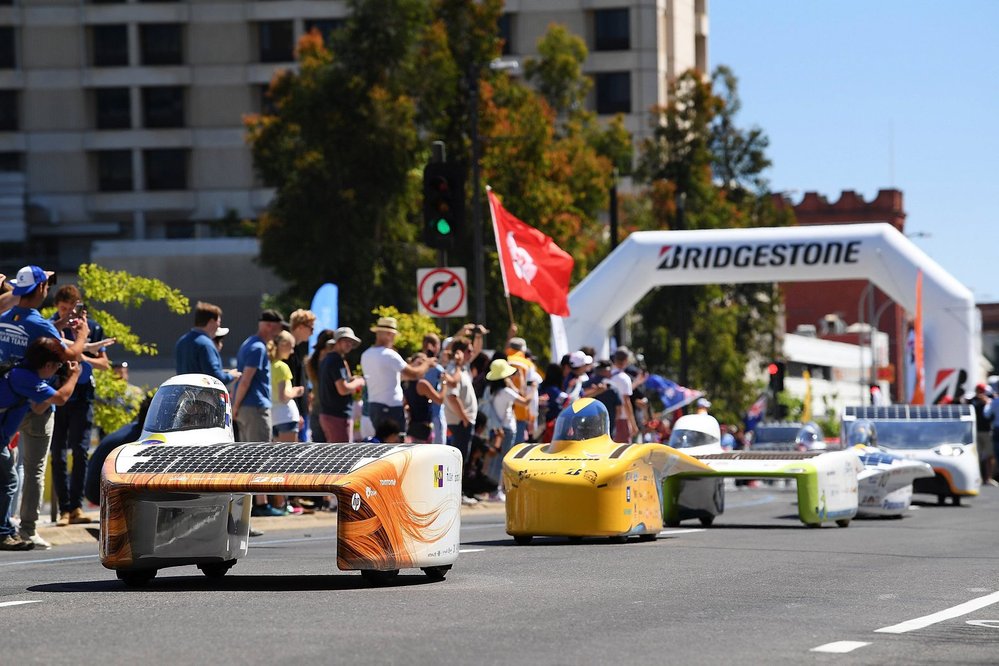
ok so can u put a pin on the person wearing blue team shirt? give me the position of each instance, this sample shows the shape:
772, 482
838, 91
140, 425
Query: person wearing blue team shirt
25, 389
19, 327
196, 350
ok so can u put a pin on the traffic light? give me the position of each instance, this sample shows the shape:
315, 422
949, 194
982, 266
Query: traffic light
443, 203
776, 372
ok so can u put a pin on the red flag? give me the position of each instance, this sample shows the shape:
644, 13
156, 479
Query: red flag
533, 266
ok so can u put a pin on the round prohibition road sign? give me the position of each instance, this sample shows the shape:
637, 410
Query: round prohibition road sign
442, 292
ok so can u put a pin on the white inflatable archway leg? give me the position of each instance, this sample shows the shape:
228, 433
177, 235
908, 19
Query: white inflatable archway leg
877, 252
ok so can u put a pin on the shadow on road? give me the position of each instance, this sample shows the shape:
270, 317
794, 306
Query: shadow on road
234, 583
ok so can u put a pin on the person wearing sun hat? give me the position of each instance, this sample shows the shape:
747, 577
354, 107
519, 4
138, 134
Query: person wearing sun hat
336, 387
384, 369
502, 394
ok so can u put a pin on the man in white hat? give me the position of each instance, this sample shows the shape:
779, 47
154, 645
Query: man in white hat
384, 369
337, 385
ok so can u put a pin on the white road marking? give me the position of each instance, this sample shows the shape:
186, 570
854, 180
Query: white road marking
948, 614
481, 526
471, 550
18, 603
840, 647
46, 560
689, 531
991, 624
299, 540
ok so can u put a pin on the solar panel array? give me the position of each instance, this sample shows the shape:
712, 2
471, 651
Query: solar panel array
761, 455
252, 458
909, 412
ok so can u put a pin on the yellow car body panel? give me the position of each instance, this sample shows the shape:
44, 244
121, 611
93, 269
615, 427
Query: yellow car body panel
592, 487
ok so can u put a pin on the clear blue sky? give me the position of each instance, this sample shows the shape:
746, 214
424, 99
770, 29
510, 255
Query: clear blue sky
870, 94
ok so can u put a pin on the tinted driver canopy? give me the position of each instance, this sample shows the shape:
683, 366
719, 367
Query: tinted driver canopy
181, 407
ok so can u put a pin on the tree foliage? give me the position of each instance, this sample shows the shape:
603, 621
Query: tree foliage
115, 405
702, 171
351, 129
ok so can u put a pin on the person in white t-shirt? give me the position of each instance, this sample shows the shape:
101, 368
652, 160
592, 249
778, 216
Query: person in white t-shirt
503, 395
384, 369
625, 425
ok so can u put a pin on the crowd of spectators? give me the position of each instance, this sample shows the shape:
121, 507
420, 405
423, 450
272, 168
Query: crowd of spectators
452, 391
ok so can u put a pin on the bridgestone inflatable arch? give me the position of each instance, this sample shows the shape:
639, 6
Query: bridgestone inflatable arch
876, 252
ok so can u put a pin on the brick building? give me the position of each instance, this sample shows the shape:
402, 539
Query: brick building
830, 306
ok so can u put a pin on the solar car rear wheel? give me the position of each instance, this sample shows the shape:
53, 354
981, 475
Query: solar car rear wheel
647, 537
437, 573
136, 578
217, 569
523, 539
956, 500
707, 520
617, 539
379, 577
843, 522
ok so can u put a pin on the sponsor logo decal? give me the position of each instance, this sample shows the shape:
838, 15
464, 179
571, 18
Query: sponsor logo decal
387, 482
761, 255
590, 476
627, 494
355, 502
369, 492
439, 476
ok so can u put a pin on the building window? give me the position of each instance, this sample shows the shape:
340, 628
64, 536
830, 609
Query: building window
9, 116
114, 170
166, 168
8, 54
110, 44
11, 161
267, 105
613, 92
506, 33
114, 108
162, 44
325, 28
163, 107
276, 40
610, 30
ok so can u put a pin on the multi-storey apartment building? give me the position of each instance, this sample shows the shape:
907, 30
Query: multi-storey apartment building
123, 119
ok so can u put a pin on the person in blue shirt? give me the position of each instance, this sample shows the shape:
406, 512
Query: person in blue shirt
196, 350
25, 388
19, 327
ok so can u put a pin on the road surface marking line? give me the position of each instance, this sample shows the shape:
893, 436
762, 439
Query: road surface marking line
840, 647
990, 624
471, 550
690, 531
50, 559
18, 603
298, 540
948, 614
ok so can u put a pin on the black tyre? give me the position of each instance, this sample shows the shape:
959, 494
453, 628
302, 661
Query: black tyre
523, 539
813, 525
137, 577
379, 577
217, 569
707, 521
941, 499
437, 573
617, 539
575, 539
672, 523
843, 522
647, 537
956, 500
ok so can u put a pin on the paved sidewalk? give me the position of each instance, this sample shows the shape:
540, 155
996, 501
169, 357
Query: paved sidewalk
60, 536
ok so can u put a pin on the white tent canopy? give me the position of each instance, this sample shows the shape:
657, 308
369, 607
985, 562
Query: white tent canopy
877, 252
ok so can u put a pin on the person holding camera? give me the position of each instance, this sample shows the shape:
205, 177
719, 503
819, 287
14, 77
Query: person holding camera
25, 389
23, 324
74, 421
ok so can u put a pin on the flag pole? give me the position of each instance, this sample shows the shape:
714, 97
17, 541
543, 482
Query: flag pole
499, 252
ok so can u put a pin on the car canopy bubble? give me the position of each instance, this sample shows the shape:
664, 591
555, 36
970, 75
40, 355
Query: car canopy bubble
181, 407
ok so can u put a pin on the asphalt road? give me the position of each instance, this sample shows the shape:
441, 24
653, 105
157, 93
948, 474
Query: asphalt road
756, 588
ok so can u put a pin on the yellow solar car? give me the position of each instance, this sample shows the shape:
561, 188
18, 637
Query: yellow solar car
583, 484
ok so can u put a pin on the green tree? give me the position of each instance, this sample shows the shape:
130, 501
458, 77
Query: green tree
114, 406
702, 171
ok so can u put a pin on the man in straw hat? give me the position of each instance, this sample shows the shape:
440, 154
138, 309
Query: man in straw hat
384, 370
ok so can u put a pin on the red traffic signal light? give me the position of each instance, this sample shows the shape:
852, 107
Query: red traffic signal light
772, 369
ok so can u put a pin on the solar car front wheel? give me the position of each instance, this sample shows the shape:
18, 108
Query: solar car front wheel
136, 578
843, 522
217, 569
437, 573
523, 539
